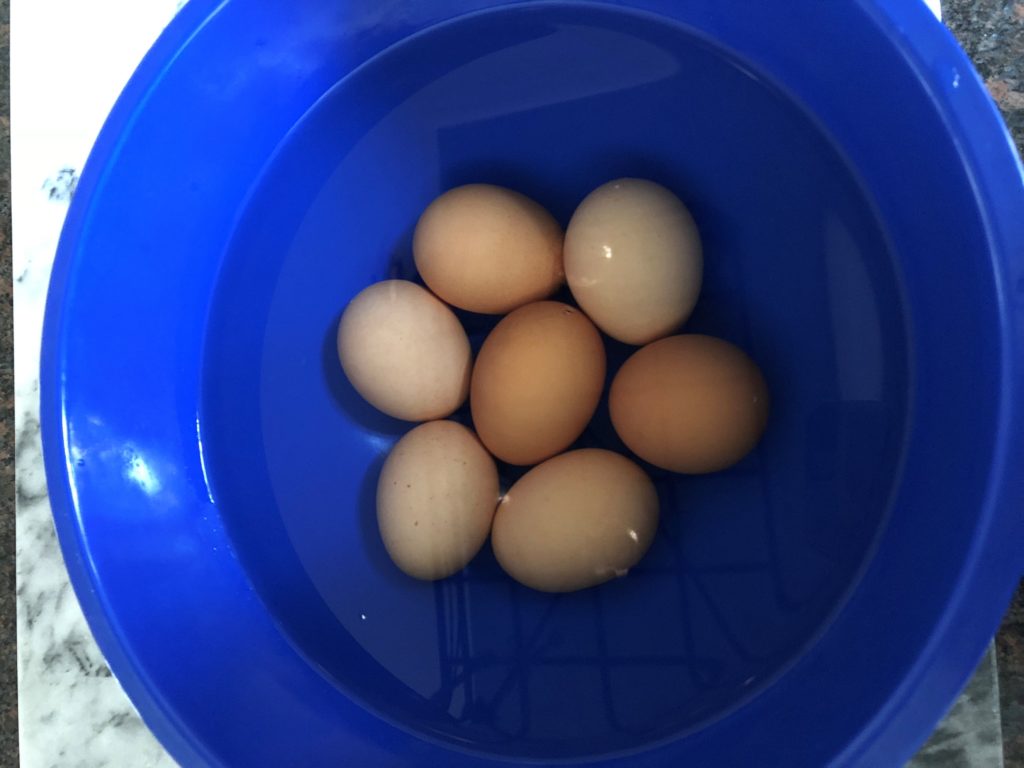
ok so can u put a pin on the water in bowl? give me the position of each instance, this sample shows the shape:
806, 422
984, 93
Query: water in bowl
748, 565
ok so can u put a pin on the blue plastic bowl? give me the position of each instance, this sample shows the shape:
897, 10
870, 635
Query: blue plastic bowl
212, 472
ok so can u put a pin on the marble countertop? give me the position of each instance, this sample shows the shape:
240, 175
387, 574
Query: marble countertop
70, 59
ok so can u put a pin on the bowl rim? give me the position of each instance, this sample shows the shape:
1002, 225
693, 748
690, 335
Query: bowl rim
994, 566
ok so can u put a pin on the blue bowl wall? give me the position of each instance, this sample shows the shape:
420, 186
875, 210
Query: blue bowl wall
749, 563
212, 474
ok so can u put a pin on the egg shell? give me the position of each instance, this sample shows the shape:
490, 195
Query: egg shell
577, 520
537, 381
404, 351
689, 403
488, 249
436, 497
633, 260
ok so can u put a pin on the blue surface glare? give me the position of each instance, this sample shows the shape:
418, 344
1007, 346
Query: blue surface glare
213, 473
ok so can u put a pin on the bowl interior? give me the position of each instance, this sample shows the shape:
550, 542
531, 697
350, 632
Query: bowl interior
749, 564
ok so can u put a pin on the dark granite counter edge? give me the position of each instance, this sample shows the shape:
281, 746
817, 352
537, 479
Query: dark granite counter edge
8, 620
992, 33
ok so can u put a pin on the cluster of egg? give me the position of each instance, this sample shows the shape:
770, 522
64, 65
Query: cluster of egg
689, 403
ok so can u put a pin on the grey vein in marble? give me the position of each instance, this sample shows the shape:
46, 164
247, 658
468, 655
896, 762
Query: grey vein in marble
971, 734
72, 712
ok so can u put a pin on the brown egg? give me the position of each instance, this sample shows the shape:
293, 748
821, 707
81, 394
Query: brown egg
633, 260
435, 499
579, 519
405, 351
536, 382
488, 249
689, 403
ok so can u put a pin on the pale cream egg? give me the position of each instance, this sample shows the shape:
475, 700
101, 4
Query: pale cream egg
633, 260
436, 498
405, 351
